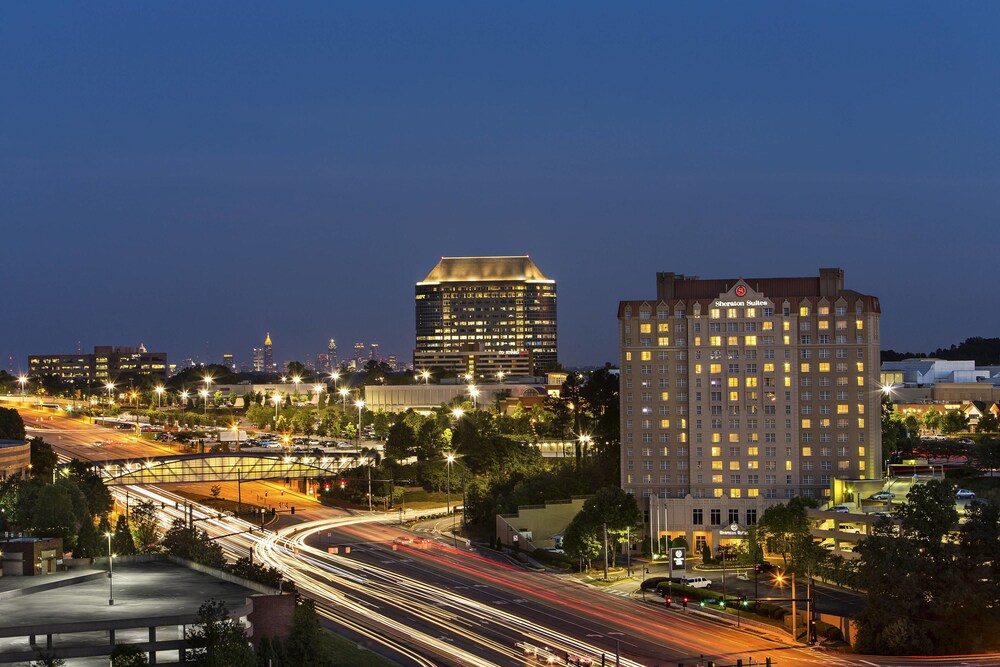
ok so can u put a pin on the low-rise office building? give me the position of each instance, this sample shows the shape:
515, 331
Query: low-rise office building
15, 458
108, 363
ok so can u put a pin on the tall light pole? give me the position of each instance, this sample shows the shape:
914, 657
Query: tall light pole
335, 376
474, 395
344, 393
426, 375
451, 459
317, 389
500, 376
360, 405
111, 572
236, 427
296, 379
110, 387
135, 395
23, 379
204, 395
276, 399
159, 396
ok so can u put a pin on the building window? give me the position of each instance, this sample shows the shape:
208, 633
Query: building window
715, 517
697, 517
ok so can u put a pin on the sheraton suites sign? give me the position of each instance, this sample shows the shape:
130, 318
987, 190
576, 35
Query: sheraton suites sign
741, 296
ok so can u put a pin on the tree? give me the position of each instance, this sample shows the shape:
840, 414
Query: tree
88, 542
988, 423
217, 640
43, 459
915, 595
11, 424
192, 544
580, 541
122, 542
128, 655
145, 526
54, 513
932, 420
785, 528
262, 574
954, 421
308, 645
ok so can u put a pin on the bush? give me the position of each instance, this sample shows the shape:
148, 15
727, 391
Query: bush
779, 613
831, 632
552, 558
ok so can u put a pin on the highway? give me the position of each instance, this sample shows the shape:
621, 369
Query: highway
425, 602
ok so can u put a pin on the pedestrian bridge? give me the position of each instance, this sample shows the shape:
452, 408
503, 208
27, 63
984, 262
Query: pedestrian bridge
223, 467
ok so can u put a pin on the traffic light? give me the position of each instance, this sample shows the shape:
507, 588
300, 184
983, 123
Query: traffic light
293, 509
685, 602
812, 631
343, 484
722, 602
743, 600
670, 600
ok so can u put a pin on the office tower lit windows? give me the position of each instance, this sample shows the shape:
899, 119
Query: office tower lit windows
481, 315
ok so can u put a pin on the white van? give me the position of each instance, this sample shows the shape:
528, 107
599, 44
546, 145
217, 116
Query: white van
697, 582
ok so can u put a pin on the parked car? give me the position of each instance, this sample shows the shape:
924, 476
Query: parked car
763, 567
841, 508
882, 495
697, 582
965, 494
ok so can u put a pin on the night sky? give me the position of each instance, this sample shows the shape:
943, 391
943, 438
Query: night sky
193, 175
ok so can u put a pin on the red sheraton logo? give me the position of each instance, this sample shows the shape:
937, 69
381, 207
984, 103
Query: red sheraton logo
741, 291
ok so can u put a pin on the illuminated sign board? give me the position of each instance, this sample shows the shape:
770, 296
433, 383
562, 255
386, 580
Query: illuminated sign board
677, 558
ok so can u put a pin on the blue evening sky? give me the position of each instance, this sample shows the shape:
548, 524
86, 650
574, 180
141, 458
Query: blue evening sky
192, 175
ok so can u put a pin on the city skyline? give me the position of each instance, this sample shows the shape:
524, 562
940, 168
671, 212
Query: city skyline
176, 179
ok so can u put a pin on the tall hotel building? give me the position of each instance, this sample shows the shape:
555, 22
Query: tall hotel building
484, 315
742, 393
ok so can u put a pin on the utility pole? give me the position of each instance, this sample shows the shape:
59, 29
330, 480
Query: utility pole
605, 551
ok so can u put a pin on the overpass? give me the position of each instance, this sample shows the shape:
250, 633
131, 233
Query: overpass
222, 467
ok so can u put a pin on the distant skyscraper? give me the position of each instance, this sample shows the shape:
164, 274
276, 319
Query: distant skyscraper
322, 362
258, 360
269, 364
227, 361
392, 362
359, 355
482, 315
373, 352
331, 350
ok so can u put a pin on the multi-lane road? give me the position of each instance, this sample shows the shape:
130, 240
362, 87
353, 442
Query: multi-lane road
425, 602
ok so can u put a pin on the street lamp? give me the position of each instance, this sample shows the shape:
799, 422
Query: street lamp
335, 376
204, 395
360, 405
426, 375
23, 379
159, 396
296, 379
344, 393
135, 396
110, 387
111, 572
451, 459
317, 389
276, 399
236, 427
474, 394
500, 376
457, 413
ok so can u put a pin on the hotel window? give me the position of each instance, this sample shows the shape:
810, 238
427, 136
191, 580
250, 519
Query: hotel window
733, 340
663, 327
824, 367
804, 367
646, 355
803, 311
715, 341
731, 313
663, 341
714, 314
645, 328
715, 517
697, 517
806, 423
